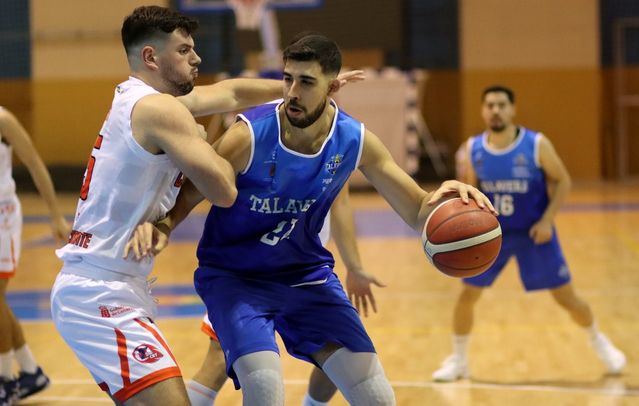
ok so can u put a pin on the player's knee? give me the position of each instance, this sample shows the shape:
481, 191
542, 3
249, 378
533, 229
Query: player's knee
567, 300
375, 390
469, 296
263, 386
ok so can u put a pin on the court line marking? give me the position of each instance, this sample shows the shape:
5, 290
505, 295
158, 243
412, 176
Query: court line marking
618, 392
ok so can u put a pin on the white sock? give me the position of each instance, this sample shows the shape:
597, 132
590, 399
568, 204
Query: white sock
6, 362
460, 345
200, 395
309, 401
25, 359
592, 330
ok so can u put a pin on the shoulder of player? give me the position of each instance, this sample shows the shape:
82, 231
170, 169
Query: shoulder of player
544, 142
237, 136
9, 128
373, 148
159, 111
6, 117
239, 129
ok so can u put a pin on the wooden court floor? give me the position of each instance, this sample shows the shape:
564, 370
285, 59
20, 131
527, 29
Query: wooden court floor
524, 350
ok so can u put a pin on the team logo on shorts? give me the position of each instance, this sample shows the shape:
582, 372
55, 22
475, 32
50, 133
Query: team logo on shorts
147, 354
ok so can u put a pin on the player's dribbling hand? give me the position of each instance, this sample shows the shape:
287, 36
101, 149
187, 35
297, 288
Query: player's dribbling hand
350, 76
541, 232
358, 287
452, 187
147, 240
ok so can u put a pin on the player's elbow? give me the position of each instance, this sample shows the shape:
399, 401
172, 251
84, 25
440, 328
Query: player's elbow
568, 182
227, 196
565, 181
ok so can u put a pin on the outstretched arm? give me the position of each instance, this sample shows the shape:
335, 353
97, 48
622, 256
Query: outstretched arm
231, 95
410, 201
358, 282
17, 137
238, 94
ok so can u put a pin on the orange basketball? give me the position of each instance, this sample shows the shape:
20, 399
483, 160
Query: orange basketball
461, 240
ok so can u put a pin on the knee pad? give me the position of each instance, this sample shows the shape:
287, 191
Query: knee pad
360, 377
375, 390
263, 387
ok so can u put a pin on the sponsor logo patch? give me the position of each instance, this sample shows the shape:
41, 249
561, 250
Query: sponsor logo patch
113, 311
147, 354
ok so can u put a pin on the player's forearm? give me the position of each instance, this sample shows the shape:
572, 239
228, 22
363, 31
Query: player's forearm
232, 95
557, 197
44, 184
343, 231
251, 92
186, 201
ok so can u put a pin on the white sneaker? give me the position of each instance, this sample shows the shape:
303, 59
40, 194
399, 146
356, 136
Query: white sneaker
613, 358
453, 368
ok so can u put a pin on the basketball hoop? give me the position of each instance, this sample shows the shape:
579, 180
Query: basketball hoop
248, 13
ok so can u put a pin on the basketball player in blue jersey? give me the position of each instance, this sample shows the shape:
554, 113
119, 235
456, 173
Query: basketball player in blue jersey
521, 172
209, 379
262, 267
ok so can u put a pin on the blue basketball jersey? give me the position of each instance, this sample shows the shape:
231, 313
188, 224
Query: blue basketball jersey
512, 178
271, 231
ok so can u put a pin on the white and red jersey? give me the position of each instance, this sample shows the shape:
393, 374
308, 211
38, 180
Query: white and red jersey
124, 186
7, 185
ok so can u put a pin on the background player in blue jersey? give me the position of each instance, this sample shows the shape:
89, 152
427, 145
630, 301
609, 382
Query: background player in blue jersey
262, 267
521, 172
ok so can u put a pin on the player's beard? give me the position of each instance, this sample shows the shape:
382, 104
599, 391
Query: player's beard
307, 120
179, 86
498, 128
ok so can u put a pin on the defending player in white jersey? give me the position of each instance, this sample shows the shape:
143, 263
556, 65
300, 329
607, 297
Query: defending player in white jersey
12, 342
149, 141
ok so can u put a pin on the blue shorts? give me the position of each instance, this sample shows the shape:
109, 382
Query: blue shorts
245, 314
540, 266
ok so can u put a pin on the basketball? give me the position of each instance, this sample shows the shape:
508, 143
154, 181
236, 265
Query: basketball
461, 240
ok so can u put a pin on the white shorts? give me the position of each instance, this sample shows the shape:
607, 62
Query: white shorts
108, 324
207, 328
10, 235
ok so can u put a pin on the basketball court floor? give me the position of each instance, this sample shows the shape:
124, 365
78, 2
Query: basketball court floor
524, 350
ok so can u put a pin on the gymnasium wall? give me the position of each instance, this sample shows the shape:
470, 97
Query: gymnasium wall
548, 51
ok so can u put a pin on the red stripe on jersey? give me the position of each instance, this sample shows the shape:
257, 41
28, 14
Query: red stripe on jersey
124, 360
151, 379
206, 329
157, 337
98, 142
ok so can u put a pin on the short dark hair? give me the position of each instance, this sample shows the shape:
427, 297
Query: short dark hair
149, 22
499, 89
313, 46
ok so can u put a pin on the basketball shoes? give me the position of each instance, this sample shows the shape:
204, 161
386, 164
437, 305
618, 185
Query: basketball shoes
453, 368
8, 392
611, 356
32, 383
